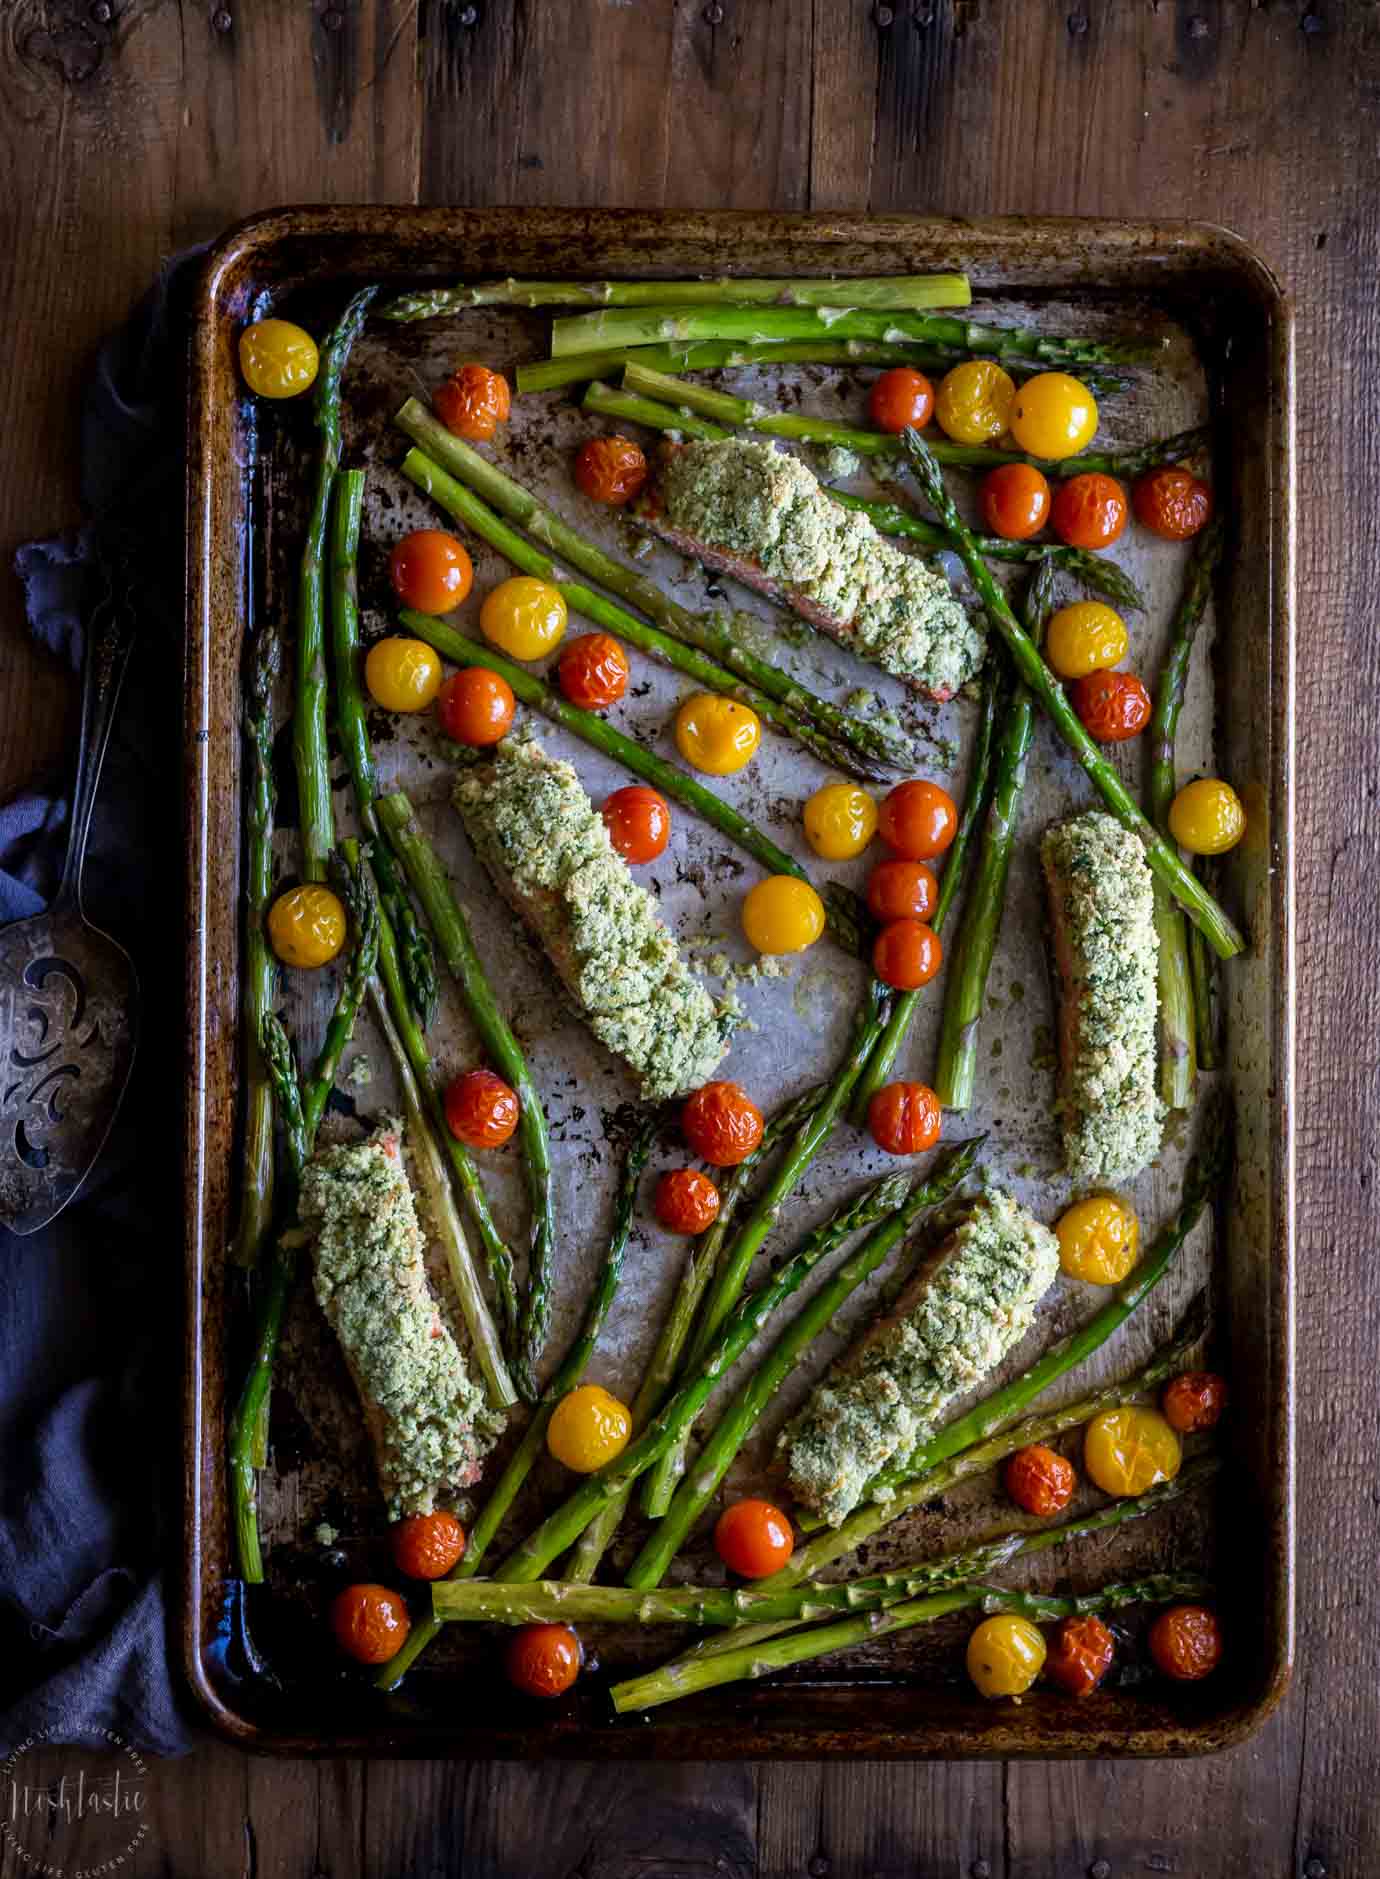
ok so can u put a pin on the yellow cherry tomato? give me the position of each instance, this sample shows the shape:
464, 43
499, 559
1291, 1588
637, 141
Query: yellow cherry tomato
278, 359
1206, 817
1126, 1451
523, 617
402, 674
1053, 416
782, 915
840, 820
1087, 637
974, 402
1098, 1240
1005, 1655
717, 735
589, 1427
306, 926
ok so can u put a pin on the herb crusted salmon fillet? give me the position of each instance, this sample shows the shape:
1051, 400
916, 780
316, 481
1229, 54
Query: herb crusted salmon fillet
758, 514
965, 1307
550, 856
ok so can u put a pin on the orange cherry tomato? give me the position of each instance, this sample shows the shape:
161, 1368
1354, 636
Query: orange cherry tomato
426, 1546
1039, 1480
430, 571
1194, 1401
370, 1623
902, 890
476, 706
543, 1660
611, 469
918, 820
906, 954
638, 822
753, 1539
1089, 511
1015, 501
481, 1110
721, 1124
686, 1201
1186, 1642
473, 402
1172, 503
901, 399
593, 671
904, 1118
1081, 1655
1112, 705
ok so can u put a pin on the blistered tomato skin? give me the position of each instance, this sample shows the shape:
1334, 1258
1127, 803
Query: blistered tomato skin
427, 1546
593, 671
1005, 1655
721, 1124
278, 359
782, 915
476, 707
370, 1623
900, 400
1081, 1655
906, 955
686, 1201
543, 1660
973, 404
902, 890
638, 821
1053, 416
588, 1428
482, 1111
402, 674
1126, 1451
524, 617
1040, 1480
1172, 503
431, 571
1099, 1240
715, 735
473, 402
1015, 501
1113, 706
1089, 511
1087, 636
905, 1118
1194, 1401
306, 926
1186, 1643
918, 820
611, 470
1206, 817
840, 820
754, 1539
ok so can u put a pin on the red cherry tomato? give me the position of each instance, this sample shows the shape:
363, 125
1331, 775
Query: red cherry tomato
1089, 511
901, 399
906, 954
1015, 501
902, 890
904, 1118
1112, 705
721, 1124
1172, 503
686, 1201
370, 1623
1186, 1642
1081, 1655
611, 469
638, 822
430, 571
753, 1539
476, 706
481, 1110
543, 1660
1040, 1480
918, 820
473, 402
1194, 1401
593, 671
426, 1546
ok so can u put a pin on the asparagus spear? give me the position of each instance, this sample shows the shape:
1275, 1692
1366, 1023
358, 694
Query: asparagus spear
466, 507
361, 903
965, 984
913, 291
1163, 858
741, 1415
433, 889
1178, 1043
711, 633
260, 974
309, 720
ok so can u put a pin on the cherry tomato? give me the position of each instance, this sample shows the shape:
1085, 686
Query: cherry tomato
1005, 1655
1186, 1643
523, 617
1081, 1655
840, 820
918, 820
686, 1201
473, 402
430, 571
1053, 416
717, 735
476, 706
543, 1660
974, 402
906, 955
593, 671
1089, 511
1194, 1401
1172, 503
1085, 637
902, 890
426, 1546
588, 1428
306, 926
611, 469
782, 915
901, 399
1039, 1480
1206, 817
278, 359
638, 822
1126, 1451
1112, 705
1098, 1240
904, 1118
482, 1111
370, 1623
753, 1539
1015, 501
721, 1124
402, 674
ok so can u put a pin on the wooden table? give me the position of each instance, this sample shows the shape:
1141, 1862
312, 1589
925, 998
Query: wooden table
132, 127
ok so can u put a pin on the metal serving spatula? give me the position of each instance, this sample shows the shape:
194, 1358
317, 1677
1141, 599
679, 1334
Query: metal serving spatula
68, 993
